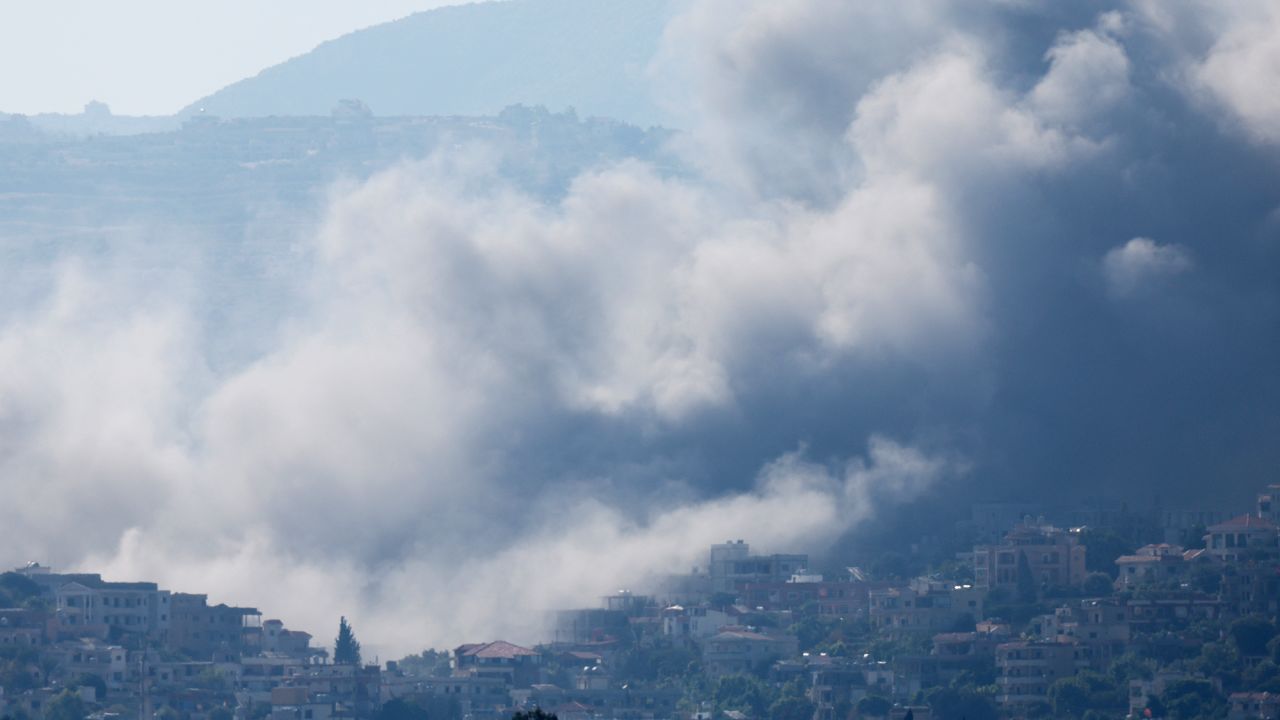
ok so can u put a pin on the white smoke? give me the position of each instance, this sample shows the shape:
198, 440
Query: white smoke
379, 458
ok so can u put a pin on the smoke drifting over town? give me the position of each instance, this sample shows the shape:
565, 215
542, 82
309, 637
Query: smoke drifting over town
908, 248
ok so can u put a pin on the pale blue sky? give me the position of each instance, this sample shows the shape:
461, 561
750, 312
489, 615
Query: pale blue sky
155, 56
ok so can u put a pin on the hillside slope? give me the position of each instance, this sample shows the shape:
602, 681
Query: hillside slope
472, 60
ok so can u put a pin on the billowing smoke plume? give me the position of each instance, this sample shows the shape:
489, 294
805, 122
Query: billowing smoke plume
1012, 247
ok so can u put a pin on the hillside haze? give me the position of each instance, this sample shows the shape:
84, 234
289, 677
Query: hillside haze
474, 59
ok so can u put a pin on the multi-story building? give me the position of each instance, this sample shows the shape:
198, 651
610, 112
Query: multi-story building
1053, 556
1149, 614
1242, 537
1254, 706
88, 606
586, 625
733, 566
353, 691
1100, 625
89, 656
802, 593
1152, 564
276, 638
1026, 669
621, 703
742, 650
925, 607
834, 689
20, 627
1252, 588
516, 666
212, 632
693, 623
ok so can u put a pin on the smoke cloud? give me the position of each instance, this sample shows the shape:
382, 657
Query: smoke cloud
912, 255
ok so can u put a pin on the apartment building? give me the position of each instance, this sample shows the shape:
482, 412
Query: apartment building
1053, 556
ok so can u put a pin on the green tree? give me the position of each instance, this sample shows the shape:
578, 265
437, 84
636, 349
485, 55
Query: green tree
1251, 635
1087, 692
873, 706
346, 649
1220, 660
534, 714
1097, 584
1131, 666
400, 709
961, 703
1206, 579
211, 679
1026, 581
1191, 699
94, 681
743, 692
17, 590
1102, 547
67, 705
1069, 697
791, 708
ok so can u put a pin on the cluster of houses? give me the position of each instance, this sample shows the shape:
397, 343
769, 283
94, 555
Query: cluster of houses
159, 652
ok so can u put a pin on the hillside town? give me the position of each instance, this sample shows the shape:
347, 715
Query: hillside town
1164, 614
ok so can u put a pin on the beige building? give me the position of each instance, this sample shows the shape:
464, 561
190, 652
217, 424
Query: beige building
1054, 556
924, 606
1026, 669
1151, 564
1233, 540
739, 650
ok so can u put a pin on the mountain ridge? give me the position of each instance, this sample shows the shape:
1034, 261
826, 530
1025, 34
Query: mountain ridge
473, 59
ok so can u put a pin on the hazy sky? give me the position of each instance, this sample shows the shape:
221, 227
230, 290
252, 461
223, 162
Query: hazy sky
156, 56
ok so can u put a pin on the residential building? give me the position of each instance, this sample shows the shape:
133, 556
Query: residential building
1251, 588
925, 606
354, 691
276, 638
739, 650
516, 666
620, 703
809, 593
1254, 706
212, 632
693, 623
93, 657
1151, 564
1147, 614
733, 566
1100, 625
589, 625
1053, 556
1241, 537
88, 606
835, 688
20, 627
1026, 669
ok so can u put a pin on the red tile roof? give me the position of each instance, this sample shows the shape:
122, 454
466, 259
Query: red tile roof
1245, 521
499, 649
